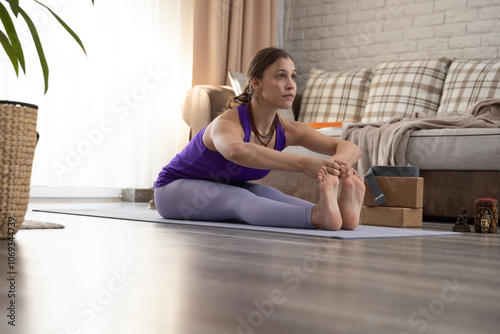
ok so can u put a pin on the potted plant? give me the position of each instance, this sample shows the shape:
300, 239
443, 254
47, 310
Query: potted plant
18, 136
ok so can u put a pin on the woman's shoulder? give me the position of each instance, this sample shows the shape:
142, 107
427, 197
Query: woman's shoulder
230, 113
227, 122
295, 131
293, 126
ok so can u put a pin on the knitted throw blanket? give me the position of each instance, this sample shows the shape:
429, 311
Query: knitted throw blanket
385, 143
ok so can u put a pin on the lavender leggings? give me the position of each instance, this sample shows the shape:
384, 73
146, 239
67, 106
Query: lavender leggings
210, 201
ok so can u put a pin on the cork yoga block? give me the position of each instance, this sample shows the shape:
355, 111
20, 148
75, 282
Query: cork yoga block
404, 192
391, 217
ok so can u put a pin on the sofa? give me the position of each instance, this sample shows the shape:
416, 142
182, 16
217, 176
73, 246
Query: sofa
450, 107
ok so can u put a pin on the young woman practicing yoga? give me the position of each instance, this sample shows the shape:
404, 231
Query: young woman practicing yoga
209, 179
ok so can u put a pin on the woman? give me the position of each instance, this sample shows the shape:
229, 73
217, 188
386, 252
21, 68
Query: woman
209, 179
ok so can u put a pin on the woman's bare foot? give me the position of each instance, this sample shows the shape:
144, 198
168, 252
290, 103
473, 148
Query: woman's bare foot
351, 199
326, 215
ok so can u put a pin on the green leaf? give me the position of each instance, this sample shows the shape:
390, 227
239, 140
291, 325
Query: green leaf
14, 8
36, 40
11, 32
10, 51
68, 29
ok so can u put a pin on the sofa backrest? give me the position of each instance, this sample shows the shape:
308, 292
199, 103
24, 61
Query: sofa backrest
399, 88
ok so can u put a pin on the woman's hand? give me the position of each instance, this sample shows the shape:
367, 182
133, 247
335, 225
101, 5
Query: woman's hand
345, 167
311, 166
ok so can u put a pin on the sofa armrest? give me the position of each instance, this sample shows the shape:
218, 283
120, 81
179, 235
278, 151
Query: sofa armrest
202, 104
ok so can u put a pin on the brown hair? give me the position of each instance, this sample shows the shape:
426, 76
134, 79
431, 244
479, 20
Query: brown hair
256, 67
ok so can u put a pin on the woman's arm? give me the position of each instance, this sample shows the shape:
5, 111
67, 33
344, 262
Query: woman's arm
341, 151
226, 137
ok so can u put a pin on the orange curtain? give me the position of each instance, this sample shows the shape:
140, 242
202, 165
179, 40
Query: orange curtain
227, 33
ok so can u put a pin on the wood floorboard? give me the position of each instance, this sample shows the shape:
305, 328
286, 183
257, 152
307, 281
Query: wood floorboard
113, 276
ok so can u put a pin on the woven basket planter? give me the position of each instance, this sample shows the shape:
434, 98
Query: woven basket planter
18, 139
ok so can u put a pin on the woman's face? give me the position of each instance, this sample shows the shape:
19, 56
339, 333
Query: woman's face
277, 86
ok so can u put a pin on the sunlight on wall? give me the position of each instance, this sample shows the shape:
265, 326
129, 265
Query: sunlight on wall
110, 119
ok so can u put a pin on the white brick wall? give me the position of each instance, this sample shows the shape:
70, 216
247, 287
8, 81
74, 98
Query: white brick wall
349, 34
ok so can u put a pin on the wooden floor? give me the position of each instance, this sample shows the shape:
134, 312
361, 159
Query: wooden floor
114, 276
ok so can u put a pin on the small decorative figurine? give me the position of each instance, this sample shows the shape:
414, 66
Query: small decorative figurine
486, 215
485, 222
461, 225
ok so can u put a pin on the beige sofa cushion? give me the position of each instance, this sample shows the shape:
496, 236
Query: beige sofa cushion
202, 104
468, 82
404, 87
334, 96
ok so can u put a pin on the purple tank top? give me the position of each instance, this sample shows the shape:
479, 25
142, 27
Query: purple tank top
196, 161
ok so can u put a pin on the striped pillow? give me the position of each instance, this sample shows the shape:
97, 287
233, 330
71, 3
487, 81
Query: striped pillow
402, 88
468, 82
334, 96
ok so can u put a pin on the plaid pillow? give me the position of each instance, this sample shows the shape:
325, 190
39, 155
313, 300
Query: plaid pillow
468, 82
334, 96
401, 88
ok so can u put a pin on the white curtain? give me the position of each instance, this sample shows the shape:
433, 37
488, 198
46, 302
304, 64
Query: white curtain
110, 119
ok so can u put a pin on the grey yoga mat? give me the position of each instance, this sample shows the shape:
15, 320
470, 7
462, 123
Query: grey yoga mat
148, 215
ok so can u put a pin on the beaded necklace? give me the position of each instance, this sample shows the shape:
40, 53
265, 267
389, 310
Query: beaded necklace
268, 136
